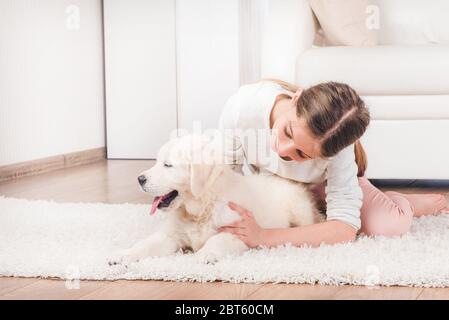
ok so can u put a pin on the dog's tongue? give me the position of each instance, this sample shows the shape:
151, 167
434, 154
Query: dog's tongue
156, 202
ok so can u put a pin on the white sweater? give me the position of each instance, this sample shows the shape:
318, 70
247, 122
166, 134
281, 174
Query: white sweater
249, 109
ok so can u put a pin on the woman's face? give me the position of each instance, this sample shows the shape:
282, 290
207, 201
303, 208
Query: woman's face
291, 138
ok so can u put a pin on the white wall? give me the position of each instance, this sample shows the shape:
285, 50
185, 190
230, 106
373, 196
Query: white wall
51, 78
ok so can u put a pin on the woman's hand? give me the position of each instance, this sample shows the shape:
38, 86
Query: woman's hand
245, 229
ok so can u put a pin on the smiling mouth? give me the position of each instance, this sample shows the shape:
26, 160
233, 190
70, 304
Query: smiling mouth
163, 201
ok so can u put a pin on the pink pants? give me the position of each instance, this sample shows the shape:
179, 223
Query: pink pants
386, 214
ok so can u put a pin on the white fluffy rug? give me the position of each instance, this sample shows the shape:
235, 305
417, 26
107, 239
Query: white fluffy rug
73, 240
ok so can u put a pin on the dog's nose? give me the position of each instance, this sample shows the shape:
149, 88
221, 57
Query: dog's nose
142, 179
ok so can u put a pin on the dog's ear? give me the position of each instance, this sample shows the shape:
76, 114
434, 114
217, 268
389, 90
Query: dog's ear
199, 176
203, 158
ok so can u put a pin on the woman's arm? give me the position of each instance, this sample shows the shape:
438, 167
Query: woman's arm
247, 230
329, 232
344, 197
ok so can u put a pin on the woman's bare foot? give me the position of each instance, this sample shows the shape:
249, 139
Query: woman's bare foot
425, 204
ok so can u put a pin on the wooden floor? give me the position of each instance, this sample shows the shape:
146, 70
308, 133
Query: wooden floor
115, 181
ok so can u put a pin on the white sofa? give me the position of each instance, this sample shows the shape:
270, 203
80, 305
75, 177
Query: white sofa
404, 80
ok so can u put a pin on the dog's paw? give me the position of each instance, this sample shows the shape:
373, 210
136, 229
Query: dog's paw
206, 257
124, 257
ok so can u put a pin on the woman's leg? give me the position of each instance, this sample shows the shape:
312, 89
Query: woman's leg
425, 204
391, 213
384, 215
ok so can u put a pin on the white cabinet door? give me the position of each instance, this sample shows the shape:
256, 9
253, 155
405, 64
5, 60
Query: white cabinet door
207, 60
140, 76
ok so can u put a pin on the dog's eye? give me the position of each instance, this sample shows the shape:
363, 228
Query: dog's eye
167, 165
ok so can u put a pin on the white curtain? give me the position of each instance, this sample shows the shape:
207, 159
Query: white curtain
251, 23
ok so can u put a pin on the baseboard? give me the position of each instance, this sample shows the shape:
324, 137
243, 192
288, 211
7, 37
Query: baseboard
33, 167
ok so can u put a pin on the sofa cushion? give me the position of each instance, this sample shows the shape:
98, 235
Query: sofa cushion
345, 22
380, 70
431, 107
413, 22
407, 149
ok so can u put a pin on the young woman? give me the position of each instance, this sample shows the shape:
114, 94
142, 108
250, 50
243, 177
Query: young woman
315, 136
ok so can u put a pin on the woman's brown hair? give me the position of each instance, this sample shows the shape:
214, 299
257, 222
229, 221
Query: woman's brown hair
336, 115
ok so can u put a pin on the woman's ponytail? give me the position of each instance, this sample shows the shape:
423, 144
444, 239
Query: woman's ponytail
360, 158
